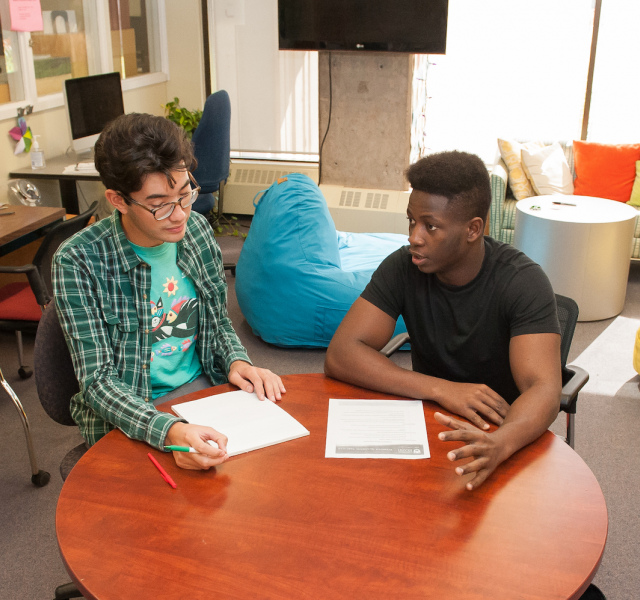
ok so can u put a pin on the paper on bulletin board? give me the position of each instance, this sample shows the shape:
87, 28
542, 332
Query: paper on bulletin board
26, 15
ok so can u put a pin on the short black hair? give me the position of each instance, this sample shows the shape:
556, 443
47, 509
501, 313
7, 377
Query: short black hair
460, 177
135, 145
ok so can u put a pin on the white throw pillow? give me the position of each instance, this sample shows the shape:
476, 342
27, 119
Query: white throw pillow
548, 170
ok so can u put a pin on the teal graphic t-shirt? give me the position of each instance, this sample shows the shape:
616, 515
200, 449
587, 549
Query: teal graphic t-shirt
174, 312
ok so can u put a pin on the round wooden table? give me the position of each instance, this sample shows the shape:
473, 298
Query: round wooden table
285, 522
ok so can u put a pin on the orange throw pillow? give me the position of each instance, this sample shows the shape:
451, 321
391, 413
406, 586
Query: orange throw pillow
605, 170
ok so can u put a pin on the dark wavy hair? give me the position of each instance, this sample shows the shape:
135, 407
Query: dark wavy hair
460, 177
136, 145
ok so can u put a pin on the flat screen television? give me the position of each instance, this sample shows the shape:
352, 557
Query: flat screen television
415, 26
91, 103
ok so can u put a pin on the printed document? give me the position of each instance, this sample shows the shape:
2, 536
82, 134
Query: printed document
376, 429
249, 423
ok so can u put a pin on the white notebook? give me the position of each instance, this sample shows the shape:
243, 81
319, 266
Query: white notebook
249, 423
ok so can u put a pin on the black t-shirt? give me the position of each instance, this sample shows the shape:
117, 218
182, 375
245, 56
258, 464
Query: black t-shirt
462, 333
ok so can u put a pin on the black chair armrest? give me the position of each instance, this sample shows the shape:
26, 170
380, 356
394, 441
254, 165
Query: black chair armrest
394, 344
18, 269
36, 282
573, 380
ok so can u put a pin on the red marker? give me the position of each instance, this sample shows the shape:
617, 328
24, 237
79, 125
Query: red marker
164, 474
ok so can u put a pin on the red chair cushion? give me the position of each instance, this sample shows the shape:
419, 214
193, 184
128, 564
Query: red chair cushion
17, 303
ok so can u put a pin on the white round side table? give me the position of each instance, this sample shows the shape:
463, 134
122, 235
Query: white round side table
584, 246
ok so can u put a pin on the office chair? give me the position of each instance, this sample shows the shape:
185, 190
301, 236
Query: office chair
21, 303
573, 378
56, 383
212, 149
21, 306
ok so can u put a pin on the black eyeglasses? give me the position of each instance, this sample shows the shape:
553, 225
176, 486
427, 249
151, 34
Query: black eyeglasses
164, 211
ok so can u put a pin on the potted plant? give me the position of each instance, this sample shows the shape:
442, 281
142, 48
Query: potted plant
183, 117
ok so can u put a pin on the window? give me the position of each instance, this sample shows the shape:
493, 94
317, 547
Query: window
60, 51
513, 68
76, 41
133, 38
613, 117
11, 79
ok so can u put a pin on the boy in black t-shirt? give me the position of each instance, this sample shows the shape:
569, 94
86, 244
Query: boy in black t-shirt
481, 316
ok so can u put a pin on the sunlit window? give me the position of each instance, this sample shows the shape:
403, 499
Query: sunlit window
513, 68
613, 116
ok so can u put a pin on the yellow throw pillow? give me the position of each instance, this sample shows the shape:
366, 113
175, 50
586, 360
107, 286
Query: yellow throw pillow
635, 192
511, 152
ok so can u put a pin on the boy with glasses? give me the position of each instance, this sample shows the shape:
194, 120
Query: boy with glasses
141, 298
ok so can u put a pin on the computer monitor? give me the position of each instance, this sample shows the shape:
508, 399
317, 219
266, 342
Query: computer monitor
91, 103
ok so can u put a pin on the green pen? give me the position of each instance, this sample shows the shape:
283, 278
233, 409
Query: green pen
182, 449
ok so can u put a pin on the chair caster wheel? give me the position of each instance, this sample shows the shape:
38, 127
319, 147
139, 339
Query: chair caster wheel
40, 479
25, 372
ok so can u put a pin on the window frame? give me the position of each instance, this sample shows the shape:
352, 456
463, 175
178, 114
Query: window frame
105, 62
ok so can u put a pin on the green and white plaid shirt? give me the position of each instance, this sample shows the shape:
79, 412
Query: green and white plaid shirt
101, 290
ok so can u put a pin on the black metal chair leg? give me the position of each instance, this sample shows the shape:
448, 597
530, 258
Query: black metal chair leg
66, 591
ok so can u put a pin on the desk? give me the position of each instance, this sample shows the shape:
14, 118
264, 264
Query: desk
27, 224
583, 247
67, 181
284, 522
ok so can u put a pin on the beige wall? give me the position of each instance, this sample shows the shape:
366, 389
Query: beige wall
186, 54
186, 74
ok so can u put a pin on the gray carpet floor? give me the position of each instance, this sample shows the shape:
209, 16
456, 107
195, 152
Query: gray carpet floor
607, 439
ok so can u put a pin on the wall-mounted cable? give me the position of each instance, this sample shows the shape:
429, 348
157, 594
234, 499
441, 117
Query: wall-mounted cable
328, 123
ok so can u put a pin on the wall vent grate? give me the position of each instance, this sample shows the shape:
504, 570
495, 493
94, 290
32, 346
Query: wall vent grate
350, 198
372, 200
261, 176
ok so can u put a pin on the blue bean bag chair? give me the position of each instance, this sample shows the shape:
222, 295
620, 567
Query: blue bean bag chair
297, 276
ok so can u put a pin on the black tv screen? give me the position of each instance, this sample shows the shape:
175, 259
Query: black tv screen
415, 26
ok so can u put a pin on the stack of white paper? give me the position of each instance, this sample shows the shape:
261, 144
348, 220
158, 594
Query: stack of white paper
249, 423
